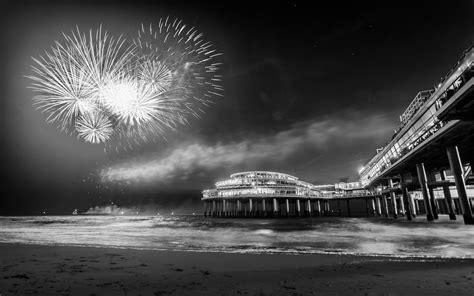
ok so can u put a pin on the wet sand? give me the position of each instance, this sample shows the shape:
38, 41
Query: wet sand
66, 270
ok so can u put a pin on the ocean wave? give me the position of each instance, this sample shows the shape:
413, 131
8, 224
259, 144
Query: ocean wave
351, 236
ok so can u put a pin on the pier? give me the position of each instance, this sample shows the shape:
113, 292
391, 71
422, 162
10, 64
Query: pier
436, 134
425, 169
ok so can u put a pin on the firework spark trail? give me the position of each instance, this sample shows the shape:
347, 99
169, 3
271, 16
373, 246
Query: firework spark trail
192, 59
108, 90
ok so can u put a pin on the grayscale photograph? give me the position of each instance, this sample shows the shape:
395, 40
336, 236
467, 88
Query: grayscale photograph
157, 147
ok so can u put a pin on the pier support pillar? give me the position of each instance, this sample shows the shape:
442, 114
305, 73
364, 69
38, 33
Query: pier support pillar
457, 169
434, 205
275, 207
298, 208
224, 209
308, 207
406, 198
287, 202
385, 205
409, 212
326, 204
318, 205
447, 197
420, 168
348, 208
379, 207
264, 208
393, 198
417, 206
372, 203
214, 210
250, 207
412, 204
402, 205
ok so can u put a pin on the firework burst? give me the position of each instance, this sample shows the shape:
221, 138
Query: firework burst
94, 127
108, 90
68, 77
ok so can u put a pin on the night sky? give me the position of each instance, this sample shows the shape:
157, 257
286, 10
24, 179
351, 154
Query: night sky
309, 90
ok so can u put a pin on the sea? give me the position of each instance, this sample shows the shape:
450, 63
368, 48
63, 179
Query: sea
317, 235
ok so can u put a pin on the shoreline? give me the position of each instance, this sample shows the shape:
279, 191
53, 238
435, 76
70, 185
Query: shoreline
78, 270
389, 257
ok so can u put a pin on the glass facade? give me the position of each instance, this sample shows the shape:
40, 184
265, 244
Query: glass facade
261, 184
419, 122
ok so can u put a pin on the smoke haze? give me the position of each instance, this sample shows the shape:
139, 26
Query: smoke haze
314, 136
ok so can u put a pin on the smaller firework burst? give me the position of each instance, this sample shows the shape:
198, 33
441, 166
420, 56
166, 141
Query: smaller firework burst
94, 127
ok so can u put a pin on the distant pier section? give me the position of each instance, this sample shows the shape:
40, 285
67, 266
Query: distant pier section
273, 194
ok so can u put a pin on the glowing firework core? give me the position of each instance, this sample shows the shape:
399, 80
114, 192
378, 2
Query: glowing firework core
134, 102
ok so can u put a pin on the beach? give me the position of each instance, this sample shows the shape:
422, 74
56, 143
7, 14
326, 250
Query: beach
72, 270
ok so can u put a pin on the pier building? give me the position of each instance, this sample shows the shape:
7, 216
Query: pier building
436, 135
260, 193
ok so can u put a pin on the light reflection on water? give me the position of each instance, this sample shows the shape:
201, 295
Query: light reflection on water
443, 238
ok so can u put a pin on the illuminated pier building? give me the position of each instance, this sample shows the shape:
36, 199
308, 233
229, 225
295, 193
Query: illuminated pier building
263, 193
258, 193
424, 168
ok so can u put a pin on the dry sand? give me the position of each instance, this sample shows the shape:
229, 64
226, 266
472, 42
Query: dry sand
60, 270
